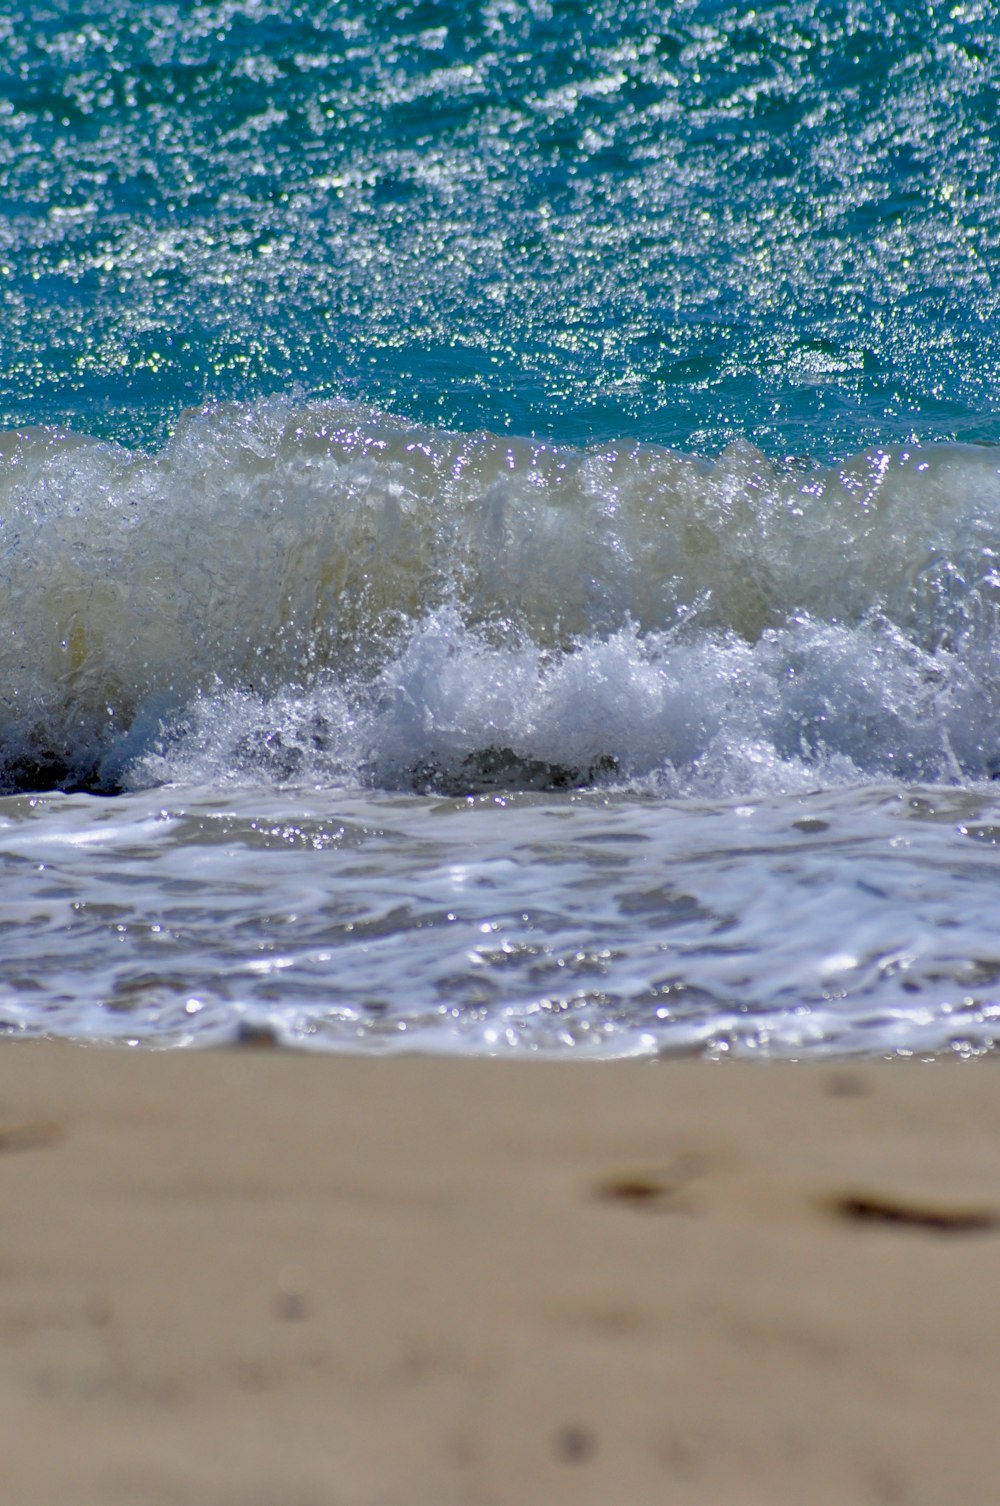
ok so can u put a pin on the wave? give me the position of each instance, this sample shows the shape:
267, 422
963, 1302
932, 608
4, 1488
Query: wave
293, 590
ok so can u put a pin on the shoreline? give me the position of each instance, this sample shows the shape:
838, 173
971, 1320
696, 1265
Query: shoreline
239, 1277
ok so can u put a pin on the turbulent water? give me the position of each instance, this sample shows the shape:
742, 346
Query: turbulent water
499, 525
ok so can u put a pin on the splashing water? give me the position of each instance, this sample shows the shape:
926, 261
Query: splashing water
324, 592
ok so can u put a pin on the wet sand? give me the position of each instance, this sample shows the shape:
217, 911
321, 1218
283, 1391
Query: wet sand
246, 1278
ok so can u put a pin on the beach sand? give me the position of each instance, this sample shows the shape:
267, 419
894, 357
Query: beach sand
250, 1278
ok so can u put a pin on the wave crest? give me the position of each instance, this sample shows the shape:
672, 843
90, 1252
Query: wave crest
444, 609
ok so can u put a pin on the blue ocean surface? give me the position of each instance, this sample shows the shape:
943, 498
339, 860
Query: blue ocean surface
500, 525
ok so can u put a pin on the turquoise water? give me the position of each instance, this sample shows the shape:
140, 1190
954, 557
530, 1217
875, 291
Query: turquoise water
506, 500
685, 223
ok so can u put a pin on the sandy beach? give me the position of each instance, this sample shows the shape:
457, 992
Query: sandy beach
250, 1278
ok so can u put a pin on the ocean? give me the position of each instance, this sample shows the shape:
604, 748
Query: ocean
500, 526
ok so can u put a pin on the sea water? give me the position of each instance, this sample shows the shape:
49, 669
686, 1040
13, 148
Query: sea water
500, 525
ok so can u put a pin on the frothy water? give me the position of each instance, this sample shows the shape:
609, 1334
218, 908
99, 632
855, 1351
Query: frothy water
324, 592
858, 920
427, 740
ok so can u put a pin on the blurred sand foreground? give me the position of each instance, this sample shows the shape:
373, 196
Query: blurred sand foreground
247, 1278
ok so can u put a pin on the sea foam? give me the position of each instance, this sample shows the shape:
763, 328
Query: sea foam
301, 591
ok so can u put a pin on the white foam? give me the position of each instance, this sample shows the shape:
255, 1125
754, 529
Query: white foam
589, 924
811, 703
309, 590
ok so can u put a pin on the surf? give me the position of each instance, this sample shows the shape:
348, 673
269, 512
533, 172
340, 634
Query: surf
323, 590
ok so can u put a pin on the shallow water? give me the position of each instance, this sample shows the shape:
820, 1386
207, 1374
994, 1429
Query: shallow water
857, 920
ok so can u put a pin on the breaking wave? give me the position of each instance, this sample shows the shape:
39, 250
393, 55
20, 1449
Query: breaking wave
314, 592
